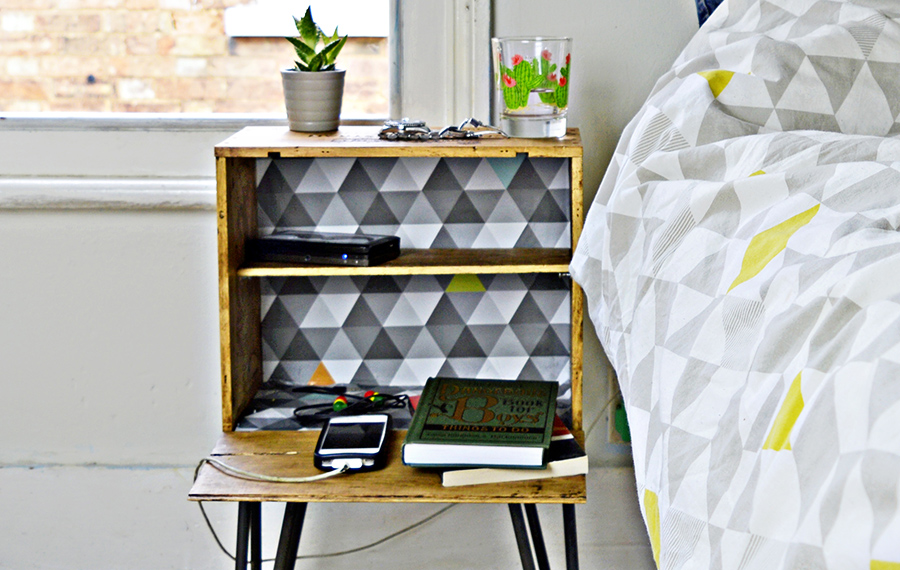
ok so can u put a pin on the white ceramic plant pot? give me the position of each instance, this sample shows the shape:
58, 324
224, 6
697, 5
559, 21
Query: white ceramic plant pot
313, 99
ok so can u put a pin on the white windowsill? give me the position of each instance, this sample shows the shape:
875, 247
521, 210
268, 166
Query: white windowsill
60, 121
65, 121
117, 161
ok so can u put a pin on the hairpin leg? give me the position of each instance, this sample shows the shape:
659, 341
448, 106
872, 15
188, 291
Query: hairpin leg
518, 521
249, 536
289, 542
537, 536
571, 537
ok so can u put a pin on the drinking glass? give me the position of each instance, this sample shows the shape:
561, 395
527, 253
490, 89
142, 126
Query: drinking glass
531, 85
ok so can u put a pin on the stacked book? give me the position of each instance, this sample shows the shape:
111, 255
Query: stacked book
491, 431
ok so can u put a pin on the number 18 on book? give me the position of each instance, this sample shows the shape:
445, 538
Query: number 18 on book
489, 423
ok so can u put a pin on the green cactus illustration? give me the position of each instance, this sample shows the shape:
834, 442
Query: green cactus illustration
538, 74
562, 89
519, 81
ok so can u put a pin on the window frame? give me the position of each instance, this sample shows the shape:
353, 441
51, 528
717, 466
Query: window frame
455, 86
162, 161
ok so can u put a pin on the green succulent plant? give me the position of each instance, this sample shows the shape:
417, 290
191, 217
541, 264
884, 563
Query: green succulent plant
313, 58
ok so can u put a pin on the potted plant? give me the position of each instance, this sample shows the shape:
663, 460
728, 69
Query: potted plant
313, 89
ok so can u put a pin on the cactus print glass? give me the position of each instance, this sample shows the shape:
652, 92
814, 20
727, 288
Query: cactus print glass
531, 79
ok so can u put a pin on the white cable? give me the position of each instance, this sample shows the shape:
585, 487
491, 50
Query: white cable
234, 471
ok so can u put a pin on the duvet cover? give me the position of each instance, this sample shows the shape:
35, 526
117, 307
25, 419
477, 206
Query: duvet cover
742, 267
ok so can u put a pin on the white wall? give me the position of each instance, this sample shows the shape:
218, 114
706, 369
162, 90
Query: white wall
109, 334
619, 50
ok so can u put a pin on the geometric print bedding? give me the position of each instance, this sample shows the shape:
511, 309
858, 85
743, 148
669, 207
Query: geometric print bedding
741, 263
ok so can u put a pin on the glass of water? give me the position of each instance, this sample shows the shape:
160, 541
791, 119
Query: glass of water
531, 85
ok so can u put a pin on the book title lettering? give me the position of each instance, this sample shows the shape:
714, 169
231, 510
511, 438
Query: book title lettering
476, 405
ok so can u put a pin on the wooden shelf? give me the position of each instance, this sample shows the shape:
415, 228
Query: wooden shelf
434, 262
289, 454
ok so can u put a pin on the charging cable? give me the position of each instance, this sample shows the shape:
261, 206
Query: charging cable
339, 468
342, 468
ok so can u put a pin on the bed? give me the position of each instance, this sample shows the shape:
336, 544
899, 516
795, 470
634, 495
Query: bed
741, 263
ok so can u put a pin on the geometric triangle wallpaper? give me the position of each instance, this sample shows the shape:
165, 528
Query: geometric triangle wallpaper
427, 202
395, 332
400, 330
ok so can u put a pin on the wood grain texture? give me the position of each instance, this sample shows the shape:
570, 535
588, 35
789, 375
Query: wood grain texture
577, 206
239, 308
262, 142
435, 262
289, 454
576, 219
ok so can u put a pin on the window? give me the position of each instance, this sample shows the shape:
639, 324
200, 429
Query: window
154, 157
174, 56
185, 56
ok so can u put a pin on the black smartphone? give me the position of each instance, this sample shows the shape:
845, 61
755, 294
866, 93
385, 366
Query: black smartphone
357, 442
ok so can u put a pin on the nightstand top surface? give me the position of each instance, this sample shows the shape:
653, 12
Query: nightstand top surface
289, 454
356, 141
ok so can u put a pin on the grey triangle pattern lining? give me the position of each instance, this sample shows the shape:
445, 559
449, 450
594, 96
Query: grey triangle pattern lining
411, 327
397, 331
392, 333
427, 202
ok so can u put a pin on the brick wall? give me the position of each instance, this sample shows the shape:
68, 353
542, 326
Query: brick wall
157, 56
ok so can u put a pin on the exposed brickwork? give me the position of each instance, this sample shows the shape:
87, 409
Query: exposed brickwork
157, 56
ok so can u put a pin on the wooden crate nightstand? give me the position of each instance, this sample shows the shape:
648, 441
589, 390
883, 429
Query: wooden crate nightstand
481, 289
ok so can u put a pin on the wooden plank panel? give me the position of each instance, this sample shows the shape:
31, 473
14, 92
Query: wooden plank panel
363, 141
577, 208
436, 262
289, 454
576, 214
577, 356
238, 298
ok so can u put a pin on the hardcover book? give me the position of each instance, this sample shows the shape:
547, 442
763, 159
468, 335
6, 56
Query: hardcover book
484, 423
565, 457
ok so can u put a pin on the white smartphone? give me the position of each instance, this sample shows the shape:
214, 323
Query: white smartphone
355, 441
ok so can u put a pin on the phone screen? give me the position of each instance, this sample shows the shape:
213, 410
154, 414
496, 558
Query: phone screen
353, 436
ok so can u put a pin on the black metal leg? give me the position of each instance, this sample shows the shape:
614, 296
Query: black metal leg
537, 536
243, 535
289, 541
571, 536
518, 521
255, 536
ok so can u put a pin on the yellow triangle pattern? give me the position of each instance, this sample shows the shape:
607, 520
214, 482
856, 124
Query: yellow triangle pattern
766, 245
651, 513
779, 435
718, 80
758, 172
321, 377
883, 565
465, 284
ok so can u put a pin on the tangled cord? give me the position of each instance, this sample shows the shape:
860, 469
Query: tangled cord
251, 476
350, 405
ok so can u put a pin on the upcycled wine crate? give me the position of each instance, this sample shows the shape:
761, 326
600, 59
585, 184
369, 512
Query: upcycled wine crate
487, 227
